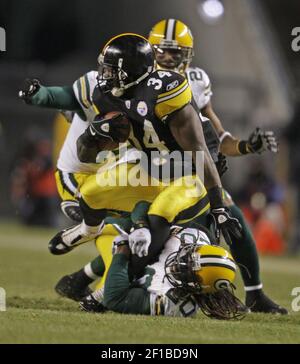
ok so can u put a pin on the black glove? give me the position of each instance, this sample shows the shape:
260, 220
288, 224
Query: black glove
260, 141
30, 88
222, 164
114, 126
87, 147
223, 222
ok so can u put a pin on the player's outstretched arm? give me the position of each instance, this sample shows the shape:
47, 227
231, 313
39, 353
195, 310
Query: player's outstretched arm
258, 142
55, 97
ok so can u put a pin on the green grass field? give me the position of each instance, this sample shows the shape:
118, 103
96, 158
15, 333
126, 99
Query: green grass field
35, 314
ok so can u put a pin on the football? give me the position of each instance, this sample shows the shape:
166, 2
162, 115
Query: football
112, 129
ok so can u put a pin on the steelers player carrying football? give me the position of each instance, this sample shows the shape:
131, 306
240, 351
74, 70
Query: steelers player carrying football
126, 65
173, 44
72, 174
259, 138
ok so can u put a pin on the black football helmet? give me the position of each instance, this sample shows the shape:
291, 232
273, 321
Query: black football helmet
125, 61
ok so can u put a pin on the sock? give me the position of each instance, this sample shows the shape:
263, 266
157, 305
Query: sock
92, 217
98, 295
251, 295
95, 269
90, 230
245, 254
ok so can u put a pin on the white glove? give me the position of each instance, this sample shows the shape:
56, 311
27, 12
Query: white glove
139, 242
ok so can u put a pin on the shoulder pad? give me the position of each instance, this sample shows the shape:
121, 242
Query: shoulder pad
83, 89
173, 95
169, 79
198, 74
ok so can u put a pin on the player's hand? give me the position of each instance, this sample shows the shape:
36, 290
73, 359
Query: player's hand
30, 88
221, 164
139, 241
87, 147
225, 224
260, 141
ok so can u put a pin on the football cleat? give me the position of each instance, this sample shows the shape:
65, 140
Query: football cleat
68, 239
71, 209
71, 287
90, 304
259, 302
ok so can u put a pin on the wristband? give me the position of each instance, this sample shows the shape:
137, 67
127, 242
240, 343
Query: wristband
139, 225
224, 135
242, 147
215, 197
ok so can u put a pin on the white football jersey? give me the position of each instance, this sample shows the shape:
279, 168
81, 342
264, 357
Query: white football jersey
159, 285
200, 86
68, 161
84, 89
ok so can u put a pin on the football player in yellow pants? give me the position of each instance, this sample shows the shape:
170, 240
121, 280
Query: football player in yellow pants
173, 42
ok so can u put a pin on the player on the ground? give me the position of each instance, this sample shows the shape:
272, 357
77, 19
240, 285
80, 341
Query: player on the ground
189, 274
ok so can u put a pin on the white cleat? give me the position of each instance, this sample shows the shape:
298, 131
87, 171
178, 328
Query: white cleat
68, 239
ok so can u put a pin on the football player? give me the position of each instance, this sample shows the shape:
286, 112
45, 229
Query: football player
190, 274
163, 121
173, 44
125, 69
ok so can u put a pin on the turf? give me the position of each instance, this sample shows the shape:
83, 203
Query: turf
35, 314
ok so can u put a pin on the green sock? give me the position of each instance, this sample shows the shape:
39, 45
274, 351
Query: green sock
245, 253
95, 268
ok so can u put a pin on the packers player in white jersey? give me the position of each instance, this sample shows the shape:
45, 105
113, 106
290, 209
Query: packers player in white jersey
71, 173
189, 275
173, 42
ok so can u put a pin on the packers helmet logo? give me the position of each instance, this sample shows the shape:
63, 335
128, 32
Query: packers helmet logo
222, 284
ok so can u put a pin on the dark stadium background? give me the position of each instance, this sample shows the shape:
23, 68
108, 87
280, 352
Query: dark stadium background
247, 53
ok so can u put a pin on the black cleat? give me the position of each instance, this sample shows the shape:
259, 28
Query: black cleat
259, 302
90, 304
69, 287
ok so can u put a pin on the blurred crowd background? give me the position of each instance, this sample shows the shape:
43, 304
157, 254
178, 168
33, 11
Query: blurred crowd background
244, 46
